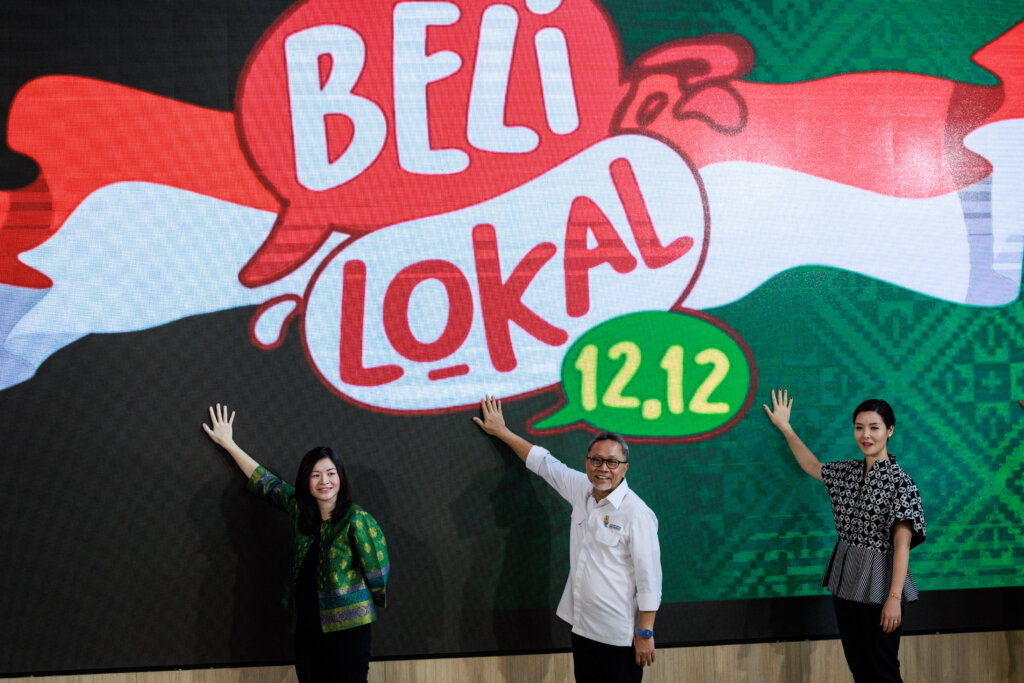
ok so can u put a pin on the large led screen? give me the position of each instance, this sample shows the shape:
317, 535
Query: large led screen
349, 220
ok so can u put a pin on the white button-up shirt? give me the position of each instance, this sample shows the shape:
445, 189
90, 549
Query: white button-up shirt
614, 556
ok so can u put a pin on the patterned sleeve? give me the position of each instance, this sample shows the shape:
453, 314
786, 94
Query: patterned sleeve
907, 507
829, 471
371, 554
280, 493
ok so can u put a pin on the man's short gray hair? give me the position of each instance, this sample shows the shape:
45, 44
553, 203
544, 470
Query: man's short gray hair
610, 436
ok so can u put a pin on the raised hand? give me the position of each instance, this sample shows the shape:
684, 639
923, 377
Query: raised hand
781, 409
222, 431
222, 434
493, 421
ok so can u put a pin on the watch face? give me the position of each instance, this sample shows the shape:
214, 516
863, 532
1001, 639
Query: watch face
645, 633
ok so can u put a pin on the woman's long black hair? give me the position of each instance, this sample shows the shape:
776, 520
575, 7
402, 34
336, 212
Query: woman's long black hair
309, 509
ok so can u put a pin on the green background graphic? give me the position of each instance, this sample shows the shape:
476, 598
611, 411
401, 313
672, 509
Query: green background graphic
654, 374
765, 529
801, 40
739, 519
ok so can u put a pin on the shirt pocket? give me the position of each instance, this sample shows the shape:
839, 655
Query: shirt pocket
608, 537
578, 524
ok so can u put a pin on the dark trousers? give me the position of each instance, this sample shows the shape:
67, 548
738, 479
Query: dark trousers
871, 653
338, 657
594, 662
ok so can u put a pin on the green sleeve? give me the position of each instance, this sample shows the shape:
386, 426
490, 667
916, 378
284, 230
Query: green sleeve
371, 553
280, 493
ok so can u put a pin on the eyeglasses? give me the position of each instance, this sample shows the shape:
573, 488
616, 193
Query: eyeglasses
610, 463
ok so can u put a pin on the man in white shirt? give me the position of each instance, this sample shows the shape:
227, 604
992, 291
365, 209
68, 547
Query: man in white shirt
614, 585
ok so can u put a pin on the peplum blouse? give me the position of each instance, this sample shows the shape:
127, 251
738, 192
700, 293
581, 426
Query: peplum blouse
866, 510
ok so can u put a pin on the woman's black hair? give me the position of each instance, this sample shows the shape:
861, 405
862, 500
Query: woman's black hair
309, 509
877, 405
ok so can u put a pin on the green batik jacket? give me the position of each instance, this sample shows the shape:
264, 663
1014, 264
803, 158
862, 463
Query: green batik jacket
353, 570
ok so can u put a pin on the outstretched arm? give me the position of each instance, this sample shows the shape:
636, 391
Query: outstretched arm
779, 415
222, 434
493, 423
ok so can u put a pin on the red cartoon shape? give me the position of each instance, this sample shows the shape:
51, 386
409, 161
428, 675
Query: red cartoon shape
85, 134
355, 130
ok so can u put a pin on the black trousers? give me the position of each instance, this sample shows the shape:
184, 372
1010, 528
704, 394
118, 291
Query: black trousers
871, 653
594, 662
338, 657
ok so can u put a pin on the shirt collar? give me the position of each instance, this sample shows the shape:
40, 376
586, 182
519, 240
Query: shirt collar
616, 496
888, 462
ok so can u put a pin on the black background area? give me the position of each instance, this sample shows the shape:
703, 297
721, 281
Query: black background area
152, 554
189, 51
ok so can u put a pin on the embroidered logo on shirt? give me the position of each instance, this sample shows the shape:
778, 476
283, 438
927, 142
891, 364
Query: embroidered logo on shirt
609, 525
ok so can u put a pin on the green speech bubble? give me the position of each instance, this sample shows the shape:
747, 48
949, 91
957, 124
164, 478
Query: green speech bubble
656, 374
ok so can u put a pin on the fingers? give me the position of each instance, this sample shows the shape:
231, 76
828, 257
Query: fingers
781, 398
218, 418
643, 657
490, 409
219, 415
890, 621
490, 406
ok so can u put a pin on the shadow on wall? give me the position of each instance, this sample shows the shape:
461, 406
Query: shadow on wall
416, 588
509, 551
246, 551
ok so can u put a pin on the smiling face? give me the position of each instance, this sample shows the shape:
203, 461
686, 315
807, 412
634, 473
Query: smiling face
871, 434
324, 483
603, 478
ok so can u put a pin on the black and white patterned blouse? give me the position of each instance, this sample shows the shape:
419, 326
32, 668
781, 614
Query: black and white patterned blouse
866, 509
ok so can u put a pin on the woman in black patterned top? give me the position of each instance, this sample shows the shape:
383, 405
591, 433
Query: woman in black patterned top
878, 516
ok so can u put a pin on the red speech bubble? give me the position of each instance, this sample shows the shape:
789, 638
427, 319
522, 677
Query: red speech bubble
359, 115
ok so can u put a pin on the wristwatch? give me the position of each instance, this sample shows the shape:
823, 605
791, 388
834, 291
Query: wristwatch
645, 633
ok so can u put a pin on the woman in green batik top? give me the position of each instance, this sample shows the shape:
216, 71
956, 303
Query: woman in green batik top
340, 563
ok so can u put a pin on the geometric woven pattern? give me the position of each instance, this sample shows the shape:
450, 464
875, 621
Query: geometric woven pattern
746, 522
798, 40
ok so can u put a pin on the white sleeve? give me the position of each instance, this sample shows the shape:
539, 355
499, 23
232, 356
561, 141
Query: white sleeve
646, 561
569, 483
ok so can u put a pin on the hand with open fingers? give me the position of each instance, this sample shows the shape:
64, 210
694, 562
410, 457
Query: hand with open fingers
782, 405
493, 421
644, 650
222, 431
892, 615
